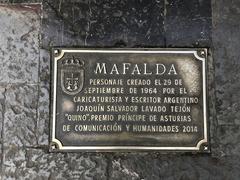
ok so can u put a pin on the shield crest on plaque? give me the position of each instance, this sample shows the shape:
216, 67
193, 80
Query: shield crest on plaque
72, 76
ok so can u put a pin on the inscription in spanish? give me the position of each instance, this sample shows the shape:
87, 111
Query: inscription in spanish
129, 99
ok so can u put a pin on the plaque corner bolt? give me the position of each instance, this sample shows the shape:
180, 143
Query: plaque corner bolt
53, 146
56, 51
205, 148
202, 52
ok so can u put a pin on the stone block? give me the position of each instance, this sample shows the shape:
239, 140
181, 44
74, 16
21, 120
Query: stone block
226, 56
2, 110
19, 43
44, 67
188, 23
20, 118
227, 140
43, 115
224, 10
184, 32
172, 167
44, 98
188, 9
108, 23
29, 163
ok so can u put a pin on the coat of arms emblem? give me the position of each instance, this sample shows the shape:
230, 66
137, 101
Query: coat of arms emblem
72, 76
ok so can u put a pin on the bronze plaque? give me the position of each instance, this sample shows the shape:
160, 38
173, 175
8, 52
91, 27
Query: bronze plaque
129, 100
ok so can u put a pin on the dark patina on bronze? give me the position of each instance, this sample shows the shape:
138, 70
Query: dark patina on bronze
129, 100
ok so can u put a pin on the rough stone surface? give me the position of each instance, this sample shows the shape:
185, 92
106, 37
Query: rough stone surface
2, 110
44, 67
29, 163
25, 83
104, 23
226, 52
43, 115
188, 23
171, 167
20, 117
229, 143
19, 40
21, 1
44, 98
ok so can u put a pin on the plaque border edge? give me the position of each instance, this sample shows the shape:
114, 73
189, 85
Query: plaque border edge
55, 145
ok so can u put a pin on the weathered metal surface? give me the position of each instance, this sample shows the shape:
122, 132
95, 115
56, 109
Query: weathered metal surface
129, 99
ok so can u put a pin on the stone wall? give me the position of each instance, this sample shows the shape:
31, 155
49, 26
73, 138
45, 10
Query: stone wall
28, 31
